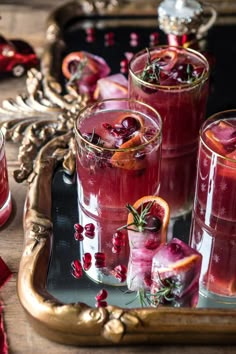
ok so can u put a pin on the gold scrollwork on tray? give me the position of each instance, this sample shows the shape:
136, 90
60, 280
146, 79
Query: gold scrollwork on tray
44, 129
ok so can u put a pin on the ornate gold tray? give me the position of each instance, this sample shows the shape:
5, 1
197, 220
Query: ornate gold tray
42, 121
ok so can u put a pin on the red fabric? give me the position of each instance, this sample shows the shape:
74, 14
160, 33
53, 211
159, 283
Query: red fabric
5, 273
3, 337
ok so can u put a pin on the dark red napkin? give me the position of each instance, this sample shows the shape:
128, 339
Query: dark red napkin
3, 336
5, 275
5, 272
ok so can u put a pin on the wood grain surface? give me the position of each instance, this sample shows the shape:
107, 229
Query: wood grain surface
26, 19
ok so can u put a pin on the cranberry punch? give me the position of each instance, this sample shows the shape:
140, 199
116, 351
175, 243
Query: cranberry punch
118, 144
5, 195
174, 81
213, 230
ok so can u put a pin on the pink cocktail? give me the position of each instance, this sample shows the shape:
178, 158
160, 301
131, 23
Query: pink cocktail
5, 195
213, 231
118, 161
174, 81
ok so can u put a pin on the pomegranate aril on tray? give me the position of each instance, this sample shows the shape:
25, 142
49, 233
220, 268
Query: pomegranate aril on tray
77, 270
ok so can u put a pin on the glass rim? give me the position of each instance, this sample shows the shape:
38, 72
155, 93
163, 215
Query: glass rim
157, 136
179, 87
211, 119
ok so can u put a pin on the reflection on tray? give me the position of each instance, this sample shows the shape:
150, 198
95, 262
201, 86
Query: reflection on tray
61, 283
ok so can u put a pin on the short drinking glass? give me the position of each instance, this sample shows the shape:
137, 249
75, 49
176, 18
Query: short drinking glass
213, 230
118, 145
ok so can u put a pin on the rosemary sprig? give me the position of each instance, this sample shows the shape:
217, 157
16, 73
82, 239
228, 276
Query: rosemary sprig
164, 295
78, 72
151, 71
139, 218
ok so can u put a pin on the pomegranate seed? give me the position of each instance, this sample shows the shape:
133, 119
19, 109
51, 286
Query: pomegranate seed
133, 43
151, 244
76, 274
109, 43
154, 36
89, 230
87, 258
131, 124
118, 241
90, 39
120, 272
79, 228
89, 234
101, 295
134, 36
116, 249
90, 31
100, 260
78, 236
109, 35
124, 63
124, 70
101, 304
89, 227
77, 271
87, 261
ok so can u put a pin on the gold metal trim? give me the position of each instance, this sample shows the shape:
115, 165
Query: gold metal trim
44, 130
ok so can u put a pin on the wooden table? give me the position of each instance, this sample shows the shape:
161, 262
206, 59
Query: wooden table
28, 22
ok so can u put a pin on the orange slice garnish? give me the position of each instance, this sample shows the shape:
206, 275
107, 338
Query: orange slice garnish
168, 58
182, 265
77, 57
127, 159
214, 142
159, 208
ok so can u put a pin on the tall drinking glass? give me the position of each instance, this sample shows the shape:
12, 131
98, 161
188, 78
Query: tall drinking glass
213, 230
5, 195
174, 81
118, 145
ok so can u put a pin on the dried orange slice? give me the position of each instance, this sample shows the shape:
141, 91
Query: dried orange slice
182, 265
78, 57
156, 207
128, 159
214, 142
168, 58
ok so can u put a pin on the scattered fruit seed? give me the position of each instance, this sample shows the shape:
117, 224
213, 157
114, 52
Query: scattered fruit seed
89, 234
87, 261
151, 244
90, 31
124, 63
77, 270
90, 39
120, 272
78, 236
89, 227
76, 274
134, 36
109, 36
79, 228
101, 295
116, 249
